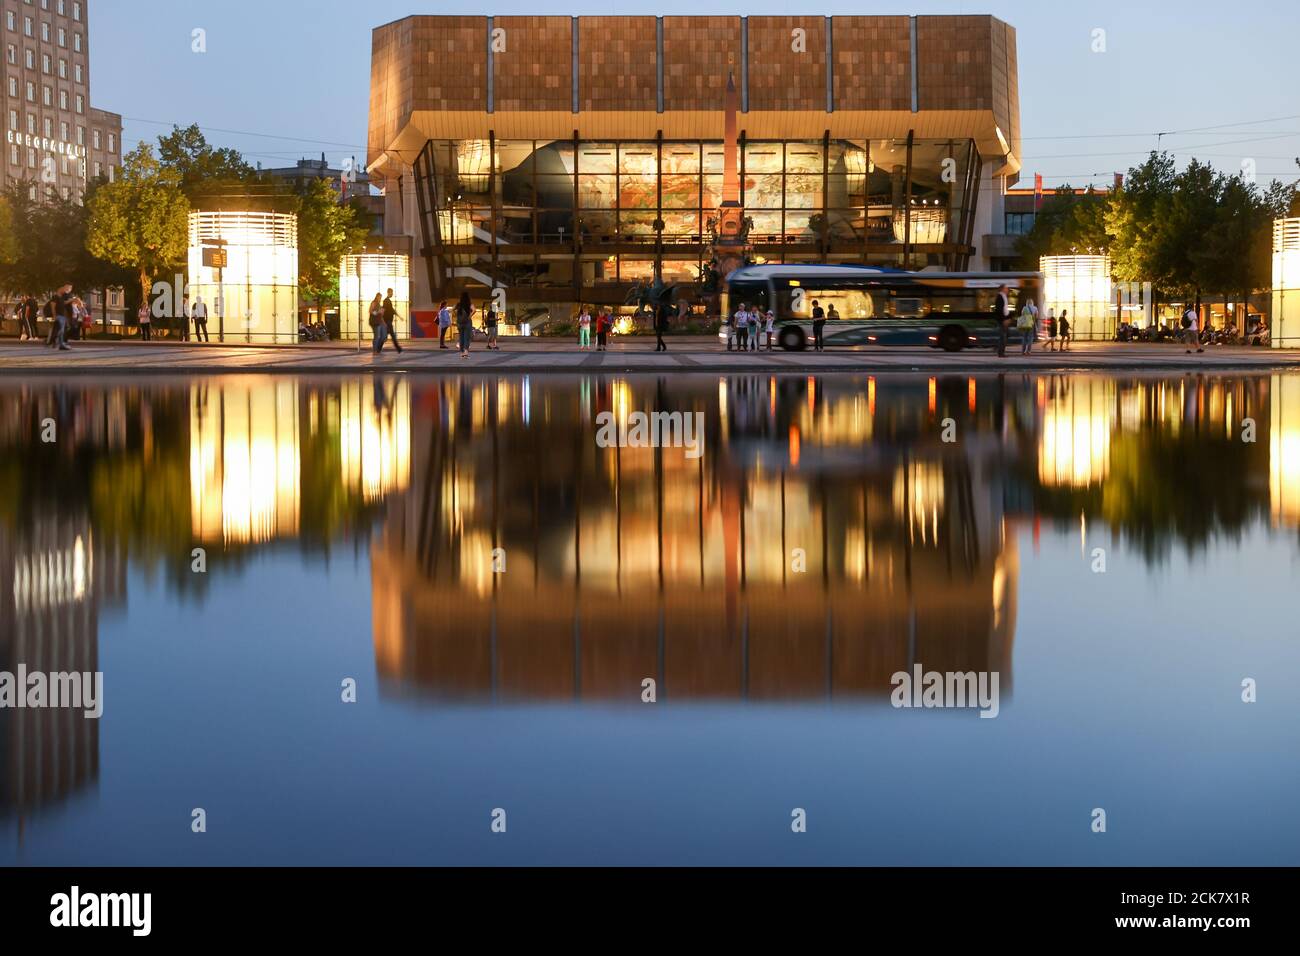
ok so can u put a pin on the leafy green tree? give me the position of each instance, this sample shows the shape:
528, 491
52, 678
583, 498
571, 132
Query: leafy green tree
1234, 254
141, 221
327, 230
8, 234
205, 172
1066, 222
1133, 221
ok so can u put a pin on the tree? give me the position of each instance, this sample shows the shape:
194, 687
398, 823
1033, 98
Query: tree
327, 230
1066, 222
49, 243
1133, 221
8, 234
204, 172
141, 221
1234, 253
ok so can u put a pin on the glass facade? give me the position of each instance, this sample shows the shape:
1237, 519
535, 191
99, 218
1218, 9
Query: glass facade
571, 214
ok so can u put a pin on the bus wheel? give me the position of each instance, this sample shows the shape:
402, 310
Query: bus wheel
792, 339
952, 339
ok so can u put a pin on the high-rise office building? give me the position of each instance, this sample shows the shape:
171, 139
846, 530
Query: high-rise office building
54, 139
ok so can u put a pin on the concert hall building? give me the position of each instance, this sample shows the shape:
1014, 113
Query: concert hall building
571, 159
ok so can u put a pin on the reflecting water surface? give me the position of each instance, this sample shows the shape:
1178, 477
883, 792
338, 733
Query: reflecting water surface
506, 593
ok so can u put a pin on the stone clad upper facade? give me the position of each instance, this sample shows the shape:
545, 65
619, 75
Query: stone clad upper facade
621, 77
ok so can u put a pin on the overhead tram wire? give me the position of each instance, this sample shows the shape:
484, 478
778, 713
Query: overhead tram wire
1151, 133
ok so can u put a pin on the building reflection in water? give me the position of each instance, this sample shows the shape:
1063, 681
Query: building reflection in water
244, 460
255, 445
375, 436
54, 579
743, 573
1075, 437
1284, 451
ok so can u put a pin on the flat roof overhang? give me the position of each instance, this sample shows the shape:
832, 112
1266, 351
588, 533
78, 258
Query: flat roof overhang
424, 125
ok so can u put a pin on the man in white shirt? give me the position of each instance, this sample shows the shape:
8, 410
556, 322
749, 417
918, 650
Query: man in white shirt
1191, 330
200, 319
739, 321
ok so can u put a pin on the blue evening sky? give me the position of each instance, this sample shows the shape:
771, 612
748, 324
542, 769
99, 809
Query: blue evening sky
1220, 77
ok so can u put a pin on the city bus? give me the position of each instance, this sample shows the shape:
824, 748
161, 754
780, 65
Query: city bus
880, 306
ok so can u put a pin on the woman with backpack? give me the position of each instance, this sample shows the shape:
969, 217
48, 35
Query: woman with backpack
1026, 324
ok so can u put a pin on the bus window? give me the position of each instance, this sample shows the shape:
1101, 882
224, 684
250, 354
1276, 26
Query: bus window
750, 293
961, 302
907, 305
850, 303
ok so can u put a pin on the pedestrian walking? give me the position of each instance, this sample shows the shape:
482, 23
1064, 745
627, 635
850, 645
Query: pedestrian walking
378, 330
819, 326
465, 323
28, 312
145, 316
184, 319
1192, 330
1027, 324
661, 326
1063, 330
200, 319
444, 323
63, 316
1051, 330
1002, 316
50, 311
584, 330
389, 315
490, 327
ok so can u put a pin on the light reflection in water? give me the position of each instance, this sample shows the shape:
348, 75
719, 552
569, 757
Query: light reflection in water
375, 436
1284, 452
1074, 448
621, 563
244, 460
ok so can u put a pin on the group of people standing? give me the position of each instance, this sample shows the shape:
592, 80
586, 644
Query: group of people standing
463, 316
66, 313
747, 324
1027, 324
604, 325
197, 313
